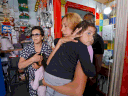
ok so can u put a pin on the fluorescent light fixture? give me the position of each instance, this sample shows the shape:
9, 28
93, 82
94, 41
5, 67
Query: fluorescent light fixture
107, 10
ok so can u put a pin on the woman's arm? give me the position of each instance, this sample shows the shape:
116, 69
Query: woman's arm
23, 63
59, 43
74, 88
54, 51
64, 40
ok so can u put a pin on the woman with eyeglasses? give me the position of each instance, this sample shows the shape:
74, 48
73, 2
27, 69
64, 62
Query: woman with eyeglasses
37, 46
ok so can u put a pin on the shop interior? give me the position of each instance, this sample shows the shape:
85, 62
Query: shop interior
17, 17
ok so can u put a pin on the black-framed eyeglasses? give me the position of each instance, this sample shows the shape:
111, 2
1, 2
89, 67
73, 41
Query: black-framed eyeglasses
35, 34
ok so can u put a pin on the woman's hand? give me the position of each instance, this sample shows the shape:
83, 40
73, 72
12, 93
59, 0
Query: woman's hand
37, 58
44, 83
71, 37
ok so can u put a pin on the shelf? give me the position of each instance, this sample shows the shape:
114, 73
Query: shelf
7, 51
105, 66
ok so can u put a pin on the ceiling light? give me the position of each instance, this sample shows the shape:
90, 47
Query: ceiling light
107, 10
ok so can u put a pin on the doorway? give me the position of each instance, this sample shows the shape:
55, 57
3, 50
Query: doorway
110, 28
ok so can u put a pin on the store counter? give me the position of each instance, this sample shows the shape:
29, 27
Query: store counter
7, 51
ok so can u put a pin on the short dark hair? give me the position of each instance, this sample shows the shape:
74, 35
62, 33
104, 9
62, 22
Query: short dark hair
92, 20
85, 24
39, 28
89, 14
43, 63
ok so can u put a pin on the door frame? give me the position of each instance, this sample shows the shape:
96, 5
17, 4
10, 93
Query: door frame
78, 6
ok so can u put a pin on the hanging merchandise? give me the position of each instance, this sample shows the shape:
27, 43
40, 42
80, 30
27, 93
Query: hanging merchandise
5, 4
17, 30
50, 39
37, 5
47, 37
107, 32
23, 5
17, 36
49, 7
44, 19
5, 7
46, 16
22, 23
28, 32
6, 12
6, 29
6, 21
12, 21
23, 8
24, 16
22, 36
107, 54
38, 16
14, 36
45, 34
22, 28
6, 44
